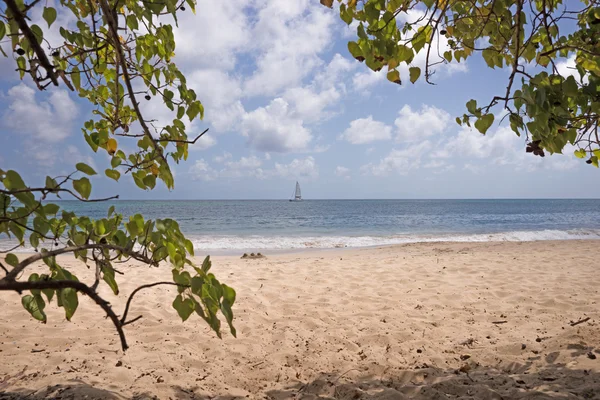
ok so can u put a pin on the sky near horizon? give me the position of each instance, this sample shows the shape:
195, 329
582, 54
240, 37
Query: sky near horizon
285, 101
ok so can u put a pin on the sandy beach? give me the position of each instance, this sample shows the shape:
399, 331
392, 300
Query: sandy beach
425, 321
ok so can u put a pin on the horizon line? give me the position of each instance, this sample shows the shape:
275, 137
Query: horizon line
360, 199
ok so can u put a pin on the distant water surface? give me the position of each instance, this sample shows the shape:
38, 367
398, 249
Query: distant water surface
229, 226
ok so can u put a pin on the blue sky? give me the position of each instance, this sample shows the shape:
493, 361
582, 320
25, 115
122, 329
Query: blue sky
285, 101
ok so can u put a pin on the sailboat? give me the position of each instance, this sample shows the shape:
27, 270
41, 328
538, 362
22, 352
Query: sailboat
297, 193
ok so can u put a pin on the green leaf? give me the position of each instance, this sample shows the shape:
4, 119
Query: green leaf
51, 183
132, 22
108, 275
414, 72
69, 301
86, 169
83, 187
22, 64
11, 259
580, 153
34, 239
2, 30
394, 76
111, 210
149, 181
228, 300
76, 78
356, 51
189, 246
184, 308
13, 181
484, 122
35, 306
206, 264
570, 87
472, 106
194, 110
49, 15
38, 33
113, 174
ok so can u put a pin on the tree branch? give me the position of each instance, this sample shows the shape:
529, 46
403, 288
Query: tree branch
39, 256
30, 36
113, 25
183, 141
123, 318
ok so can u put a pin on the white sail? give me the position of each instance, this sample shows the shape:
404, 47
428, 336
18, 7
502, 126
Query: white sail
298, 195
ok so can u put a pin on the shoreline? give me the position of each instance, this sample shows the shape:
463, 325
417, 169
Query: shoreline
315, 251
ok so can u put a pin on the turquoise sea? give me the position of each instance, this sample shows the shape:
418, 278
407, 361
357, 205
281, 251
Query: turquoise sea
231, 226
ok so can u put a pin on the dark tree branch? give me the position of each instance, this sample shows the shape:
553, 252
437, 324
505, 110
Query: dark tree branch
183, 141
46, 190
113, 28
70, 249
19, 18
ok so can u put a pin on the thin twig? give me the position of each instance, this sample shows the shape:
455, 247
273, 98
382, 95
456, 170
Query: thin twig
124, 317
581, 321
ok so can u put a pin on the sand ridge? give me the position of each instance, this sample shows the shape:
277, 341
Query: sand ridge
425, 321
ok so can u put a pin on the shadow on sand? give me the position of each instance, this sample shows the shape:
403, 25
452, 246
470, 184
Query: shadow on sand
514, 381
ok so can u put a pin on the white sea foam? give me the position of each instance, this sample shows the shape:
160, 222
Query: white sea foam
227, 243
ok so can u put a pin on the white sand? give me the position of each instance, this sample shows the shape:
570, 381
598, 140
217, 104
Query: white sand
387, 323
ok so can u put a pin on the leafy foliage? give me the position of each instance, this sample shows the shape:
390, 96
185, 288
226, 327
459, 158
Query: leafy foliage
113, 53
530, 37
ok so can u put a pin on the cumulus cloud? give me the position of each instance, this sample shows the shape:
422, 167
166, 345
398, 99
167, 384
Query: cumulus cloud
399, 161
342, 172
298, 168
220, 94
252, 167
48, 120
200, 170
366, 130
288, 37
274, 128
213, 35
416, 125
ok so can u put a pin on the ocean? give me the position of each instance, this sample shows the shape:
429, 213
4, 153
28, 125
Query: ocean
234, 226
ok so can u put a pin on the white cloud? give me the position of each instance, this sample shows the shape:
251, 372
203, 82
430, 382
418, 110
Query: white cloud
501, 146
298, 168
310, 105
399, 161
251, 166
202, 171
213, 35
365, 79
220, 159
416, 125
342, 172
366, 130
50, 120
476, 169
220, 94
275, 128
288, 38
203, 143
568, 67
